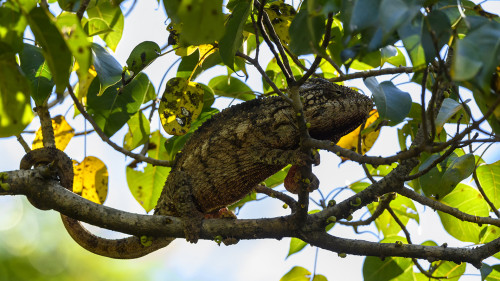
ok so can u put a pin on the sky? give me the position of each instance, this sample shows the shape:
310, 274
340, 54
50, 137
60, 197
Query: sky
247, 260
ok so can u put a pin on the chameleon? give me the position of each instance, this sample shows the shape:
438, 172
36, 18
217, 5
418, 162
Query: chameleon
228, 156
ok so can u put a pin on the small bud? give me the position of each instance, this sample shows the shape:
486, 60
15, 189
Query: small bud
5, 186
332, 203
306, 181
357, 202
331, 219
399, 244
308, 125
349, 218
146, 240
285, 206
299, 114
342, 255
218, 239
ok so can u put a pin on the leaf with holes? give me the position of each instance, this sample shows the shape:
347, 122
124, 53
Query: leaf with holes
180, 105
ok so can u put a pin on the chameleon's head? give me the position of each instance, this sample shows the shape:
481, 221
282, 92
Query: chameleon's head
333, 110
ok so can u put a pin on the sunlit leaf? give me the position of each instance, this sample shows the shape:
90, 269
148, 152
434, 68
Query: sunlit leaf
277, 178
203, 21
12, 26
91, 179
450, 270
231, 87
108, 15
470, 201
296, 245
63, 133
146, 185
138, 131
281, 15
489, 178
350, 141
76, 39
297, 273
180, 105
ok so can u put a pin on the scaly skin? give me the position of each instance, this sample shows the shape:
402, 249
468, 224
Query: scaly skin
233, 152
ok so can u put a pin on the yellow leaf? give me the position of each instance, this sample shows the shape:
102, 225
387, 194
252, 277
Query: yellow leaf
350, 141
180, 105
63, 133
281, 16
91, 179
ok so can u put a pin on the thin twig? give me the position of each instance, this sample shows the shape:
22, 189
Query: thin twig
105, 138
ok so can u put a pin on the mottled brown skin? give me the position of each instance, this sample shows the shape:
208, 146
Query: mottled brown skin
236, 150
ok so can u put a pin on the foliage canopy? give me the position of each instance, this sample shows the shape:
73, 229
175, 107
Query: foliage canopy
447, 48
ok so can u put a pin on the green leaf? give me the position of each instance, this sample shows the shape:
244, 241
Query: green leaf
420, 50
146, 186
450, 270
55, 49
404, 209
12, 26
297, 273
142, 55
306, 31
37, 71
364, 14
109, 15
443, 178
233, 36
381, 170
392, 103
277, 178
69, 5
15, 106
471, 65
109, 70
470, 201
494, 275
393, 55
231, 87
76, 39
459, 169
489, 178
448, 112
203, 21
485, 271
376, 269
296, 245
115, 106
138, 131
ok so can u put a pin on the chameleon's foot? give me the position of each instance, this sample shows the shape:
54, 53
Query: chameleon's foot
192, 228
293, 181
223, 213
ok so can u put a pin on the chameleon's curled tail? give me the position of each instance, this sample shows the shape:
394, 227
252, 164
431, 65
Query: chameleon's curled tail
126, 248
